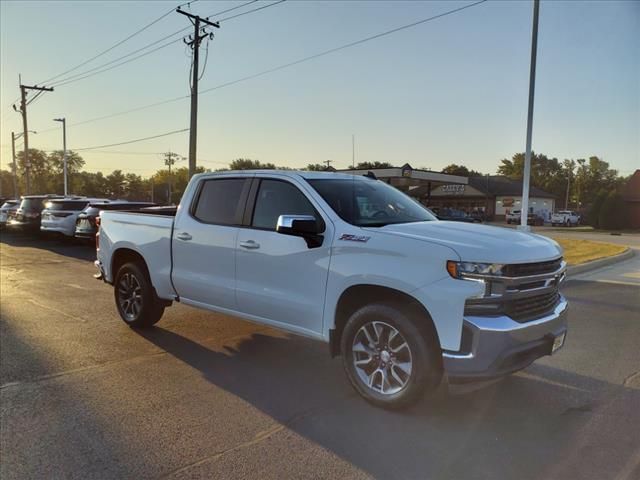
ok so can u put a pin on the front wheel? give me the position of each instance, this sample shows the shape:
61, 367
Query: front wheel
136, 300
388, 359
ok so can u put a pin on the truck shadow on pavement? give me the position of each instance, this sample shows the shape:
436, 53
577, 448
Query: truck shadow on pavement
526, 426
65, 246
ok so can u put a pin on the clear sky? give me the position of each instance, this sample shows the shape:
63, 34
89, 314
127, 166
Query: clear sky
453, 90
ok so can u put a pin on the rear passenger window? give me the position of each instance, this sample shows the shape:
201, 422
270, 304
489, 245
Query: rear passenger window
219, 201
277, 198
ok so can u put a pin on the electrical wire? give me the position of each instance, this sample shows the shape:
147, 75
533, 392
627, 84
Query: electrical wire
274, 69
130, 141
251, 11
101, 68
117, 44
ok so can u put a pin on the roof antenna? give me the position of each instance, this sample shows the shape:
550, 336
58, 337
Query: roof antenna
371, 175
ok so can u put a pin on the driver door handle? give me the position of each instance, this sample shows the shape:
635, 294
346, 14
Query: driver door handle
184, 236
250, 244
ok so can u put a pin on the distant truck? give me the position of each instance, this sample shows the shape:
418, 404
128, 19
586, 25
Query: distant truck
532, 219
404, 298
567, 218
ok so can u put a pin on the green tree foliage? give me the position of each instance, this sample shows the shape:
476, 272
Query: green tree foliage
461, 170
316, 167
372, 165
248, 164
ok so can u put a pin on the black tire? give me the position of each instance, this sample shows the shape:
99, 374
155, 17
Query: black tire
425, 356
147, 309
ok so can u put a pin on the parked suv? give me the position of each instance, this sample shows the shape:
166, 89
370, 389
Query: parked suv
59, 215
7, 210
87, 224
27, 217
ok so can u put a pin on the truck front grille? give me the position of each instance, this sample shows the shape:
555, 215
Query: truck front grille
529, 308
526, 269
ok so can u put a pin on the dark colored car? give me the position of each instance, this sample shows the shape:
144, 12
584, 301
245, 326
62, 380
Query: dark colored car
86, 225
27, 217
453, 215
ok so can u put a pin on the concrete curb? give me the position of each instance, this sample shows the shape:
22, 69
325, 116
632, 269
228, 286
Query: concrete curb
601, 262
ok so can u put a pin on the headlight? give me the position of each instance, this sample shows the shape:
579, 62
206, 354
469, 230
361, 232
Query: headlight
462, 269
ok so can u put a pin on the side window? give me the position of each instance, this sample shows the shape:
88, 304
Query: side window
219, 201
277, 198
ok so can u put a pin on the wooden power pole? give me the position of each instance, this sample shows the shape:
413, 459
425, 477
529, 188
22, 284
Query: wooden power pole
25, 133
199, 34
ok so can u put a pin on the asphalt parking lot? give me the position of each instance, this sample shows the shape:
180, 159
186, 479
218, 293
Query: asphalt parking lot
207, 396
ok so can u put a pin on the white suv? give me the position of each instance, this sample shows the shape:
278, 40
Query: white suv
60, 215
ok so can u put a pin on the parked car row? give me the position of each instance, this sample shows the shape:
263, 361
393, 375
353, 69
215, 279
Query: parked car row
68, 216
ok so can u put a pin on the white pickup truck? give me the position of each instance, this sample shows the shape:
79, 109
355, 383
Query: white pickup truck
404, 298
565, 217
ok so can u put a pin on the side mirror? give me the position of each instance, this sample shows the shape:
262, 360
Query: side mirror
305, 226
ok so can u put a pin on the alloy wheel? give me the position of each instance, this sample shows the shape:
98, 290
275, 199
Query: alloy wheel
129, 296
382, 357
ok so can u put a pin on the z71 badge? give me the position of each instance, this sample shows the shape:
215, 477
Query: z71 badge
354, 238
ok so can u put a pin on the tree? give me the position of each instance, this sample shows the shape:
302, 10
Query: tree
248, 164
56, 162
316, 167
460, 170
136, 188
372, 165
39, 173
115, 183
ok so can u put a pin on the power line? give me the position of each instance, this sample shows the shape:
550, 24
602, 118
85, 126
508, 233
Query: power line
137, 32
275, 69
251, 11
130, 141
101, 68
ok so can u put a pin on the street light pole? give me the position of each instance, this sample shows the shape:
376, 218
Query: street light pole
64, 150
524, 212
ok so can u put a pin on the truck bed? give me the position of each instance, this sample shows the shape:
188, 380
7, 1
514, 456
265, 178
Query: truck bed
147, 232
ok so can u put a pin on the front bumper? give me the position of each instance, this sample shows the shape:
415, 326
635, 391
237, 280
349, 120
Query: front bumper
497, 346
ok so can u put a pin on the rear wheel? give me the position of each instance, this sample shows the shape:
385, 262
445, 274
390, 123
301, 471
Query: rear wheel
389, 360
136, 300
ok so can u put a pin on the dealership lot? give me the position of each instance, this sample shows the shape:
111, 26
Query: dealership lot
204, 395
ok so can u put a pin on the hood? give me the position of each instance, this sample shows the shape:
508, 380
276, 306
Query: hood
480, 243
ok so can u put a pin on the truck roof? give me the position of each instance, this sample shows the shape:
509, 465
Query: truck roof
307, 174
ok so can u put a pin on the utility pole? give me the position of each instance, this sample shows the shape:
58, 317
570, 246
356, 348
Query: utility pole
524, 213
64, 151
23, 111
353, 151
170, 158
328, 162
566, 195
199, 34
15, 169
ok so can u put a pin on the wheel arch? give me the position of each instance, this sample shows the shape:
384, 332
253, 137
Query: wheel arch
357, 296
125, 255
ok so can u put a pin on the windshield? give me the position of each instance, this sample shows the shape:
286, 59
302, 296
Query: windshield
370, 203
9, 204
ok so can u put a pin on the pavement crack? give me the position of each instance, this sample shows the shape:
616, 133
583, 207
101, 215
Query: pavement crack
61, 312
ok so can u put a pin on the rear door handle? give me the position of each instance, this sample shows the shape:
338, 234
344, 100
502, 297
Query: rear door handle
250, 244
184, 236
